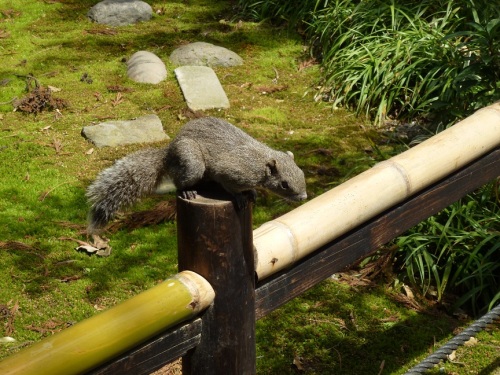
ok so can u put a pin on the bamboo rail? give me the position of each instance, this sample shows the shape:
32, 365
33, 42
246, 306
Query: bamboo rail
97, 339
345, 251
281, 242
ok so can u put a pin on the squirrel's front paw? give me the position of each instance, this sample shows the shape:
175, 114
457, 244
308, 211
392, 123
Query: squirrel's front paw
241, 200
251, 195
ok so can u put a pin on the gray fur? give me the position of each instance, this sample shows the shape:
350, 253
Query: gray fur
206, 149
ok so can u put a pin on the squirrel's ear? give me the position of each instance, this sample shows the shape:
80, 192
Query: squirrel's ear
290, 153
271, 167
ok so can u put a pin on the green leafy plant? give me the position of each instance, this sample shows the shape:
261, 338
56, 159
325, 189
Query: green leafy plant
475, 81
457, 250
411, 60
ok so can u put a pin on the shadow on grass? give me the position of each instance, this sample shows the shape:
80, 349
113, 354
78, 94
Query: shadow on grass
39, 249
333, 329
493, 366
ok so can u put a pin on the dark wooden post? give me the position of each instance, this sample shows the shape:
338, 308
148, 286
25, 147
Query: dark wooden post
215, 241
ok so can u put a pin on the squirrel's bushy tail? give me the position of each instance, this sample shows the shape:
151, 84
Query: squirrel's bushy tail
129, 179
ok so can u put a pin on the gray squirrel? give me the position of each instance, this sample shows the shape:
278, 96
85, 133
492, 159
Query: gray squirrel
205, 150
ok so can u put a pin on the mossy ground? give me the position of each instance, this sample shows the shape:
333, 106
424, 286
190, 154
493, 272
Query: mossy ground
46, 165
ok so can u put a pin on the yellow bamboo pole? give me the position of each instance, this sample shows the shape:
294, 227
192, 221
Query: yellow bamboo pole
110, 333
280, 242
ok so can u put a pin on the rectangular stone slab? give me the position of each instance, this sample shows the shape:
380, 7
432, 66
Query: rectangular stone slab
143, 129
201, 88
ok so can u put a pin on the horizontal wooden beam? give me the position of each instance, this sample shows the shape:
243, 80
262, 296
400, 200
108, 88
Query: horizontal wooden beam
361, 241
155, 353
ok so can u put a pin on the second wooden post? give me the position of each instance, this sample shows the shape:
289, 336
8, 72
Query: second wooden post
215, 241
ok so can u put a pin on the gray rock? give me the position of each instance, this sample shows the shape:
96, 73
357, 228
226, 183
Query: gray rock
120, 12
144, 129
146, 67
201, 88
205, 54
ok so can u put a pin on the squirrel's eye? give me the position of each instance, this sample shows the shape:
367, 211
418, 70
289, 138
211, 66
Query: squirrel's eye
284, 185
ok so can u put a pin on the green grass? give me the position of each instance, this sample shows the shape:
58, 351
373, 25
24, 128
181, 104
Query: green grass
47, 285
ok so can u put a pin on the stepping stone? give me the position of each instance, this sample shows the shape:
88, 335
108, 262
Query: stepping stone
144, 129
201, 88
146, 67
204, 54
120, 12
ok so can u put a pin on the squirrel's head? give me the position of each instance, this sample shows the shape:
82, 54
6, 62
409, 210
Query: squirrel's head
284, 177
